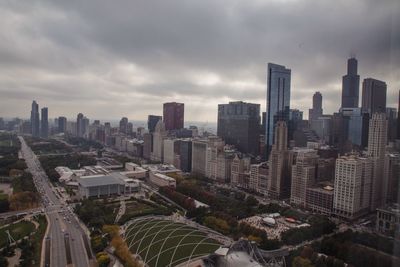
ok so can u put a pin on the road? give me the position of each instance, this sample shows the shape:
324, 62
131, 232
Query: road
65, 233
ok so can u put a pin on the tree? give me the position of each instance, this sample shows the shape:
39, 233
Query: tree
103, 259
251, 201
301, 262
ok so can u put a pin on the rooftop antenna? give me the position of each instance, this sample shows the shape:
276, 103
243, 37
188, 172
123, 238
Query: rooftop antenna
352, 54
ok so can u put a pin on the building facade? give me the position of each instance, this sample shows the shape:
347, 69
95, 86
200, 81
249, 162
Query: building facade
373, 96
199, 151
377, 140
303, 174
173, 115
351, 85
152, 121
44, 123
278, 98
352, 188
35, 121
239, 124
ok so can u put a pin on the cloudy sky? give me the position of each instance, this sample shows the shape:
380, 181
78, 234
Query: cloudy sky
110, 59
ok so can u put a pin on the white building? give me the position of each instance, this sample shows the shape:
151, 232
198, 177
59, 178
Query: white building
303, 174
158, 142
169, 151
161, 180
352, 186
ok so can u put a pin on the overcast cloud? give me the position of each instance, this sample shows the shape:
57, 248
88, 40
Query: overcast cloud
109, 59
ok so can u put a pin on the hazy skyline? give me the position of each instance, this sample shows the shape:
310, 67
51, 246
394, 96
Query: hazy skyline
111, 60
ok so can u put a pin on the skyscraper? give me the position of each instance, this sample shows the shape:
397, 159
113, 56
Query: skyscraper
158, 142
377, 139
316, 111
350, 85
173, 114
278, 99
44, 123
123, 125
278, 185
35, 121
152, 122
373, 96
239, 124
398, 119
79, 125
352, 186
303, 174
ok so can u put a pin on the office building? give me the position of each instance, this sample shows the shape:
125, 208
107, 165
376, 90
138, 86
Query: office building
316, 111
62, 124
322, 127
319, 199
158, 142
279, 180
199, 151
44, 123
259, 174
152, 122
391, 115
123, 125
240, 171
215, 146
239, 124
352, 186
173, 115
79, 125
185, 153
350, 85
147, 145
171, 150
377, 139
304, 163
278, 99
224, 165
391, 187
85, 127
35, 121
355, 126
398, 119
373, 96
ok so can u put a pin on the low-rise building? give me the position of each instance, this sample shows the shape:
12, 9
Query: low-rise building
319, 199
161, 180
388, 219
106, 185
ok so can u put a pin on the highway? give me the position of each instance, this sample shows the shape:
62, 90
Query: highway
65, 234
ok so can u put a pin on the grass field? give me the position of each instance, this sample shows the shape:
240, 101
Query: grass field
163, 243
17, 231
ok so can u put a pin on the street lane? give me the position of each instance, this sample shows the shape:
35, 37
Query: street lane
61, 220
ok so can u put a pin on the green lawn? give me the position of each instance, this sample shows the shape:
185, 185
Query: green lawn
38, 237
174, 240
136, 209
17, 231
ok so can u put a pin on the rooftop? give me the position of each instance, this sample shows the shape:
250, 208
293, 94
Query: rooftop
100, 180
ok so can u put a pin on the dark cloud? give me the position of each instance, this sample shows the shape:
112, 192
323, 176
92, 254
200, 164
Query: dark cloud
125, 58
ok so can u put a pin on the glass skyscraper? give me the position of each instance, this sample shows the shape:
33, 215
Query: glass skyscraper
351, 85
278, 99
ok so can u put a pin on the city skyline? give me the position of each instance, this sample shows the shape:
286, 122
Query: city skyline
106, 73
